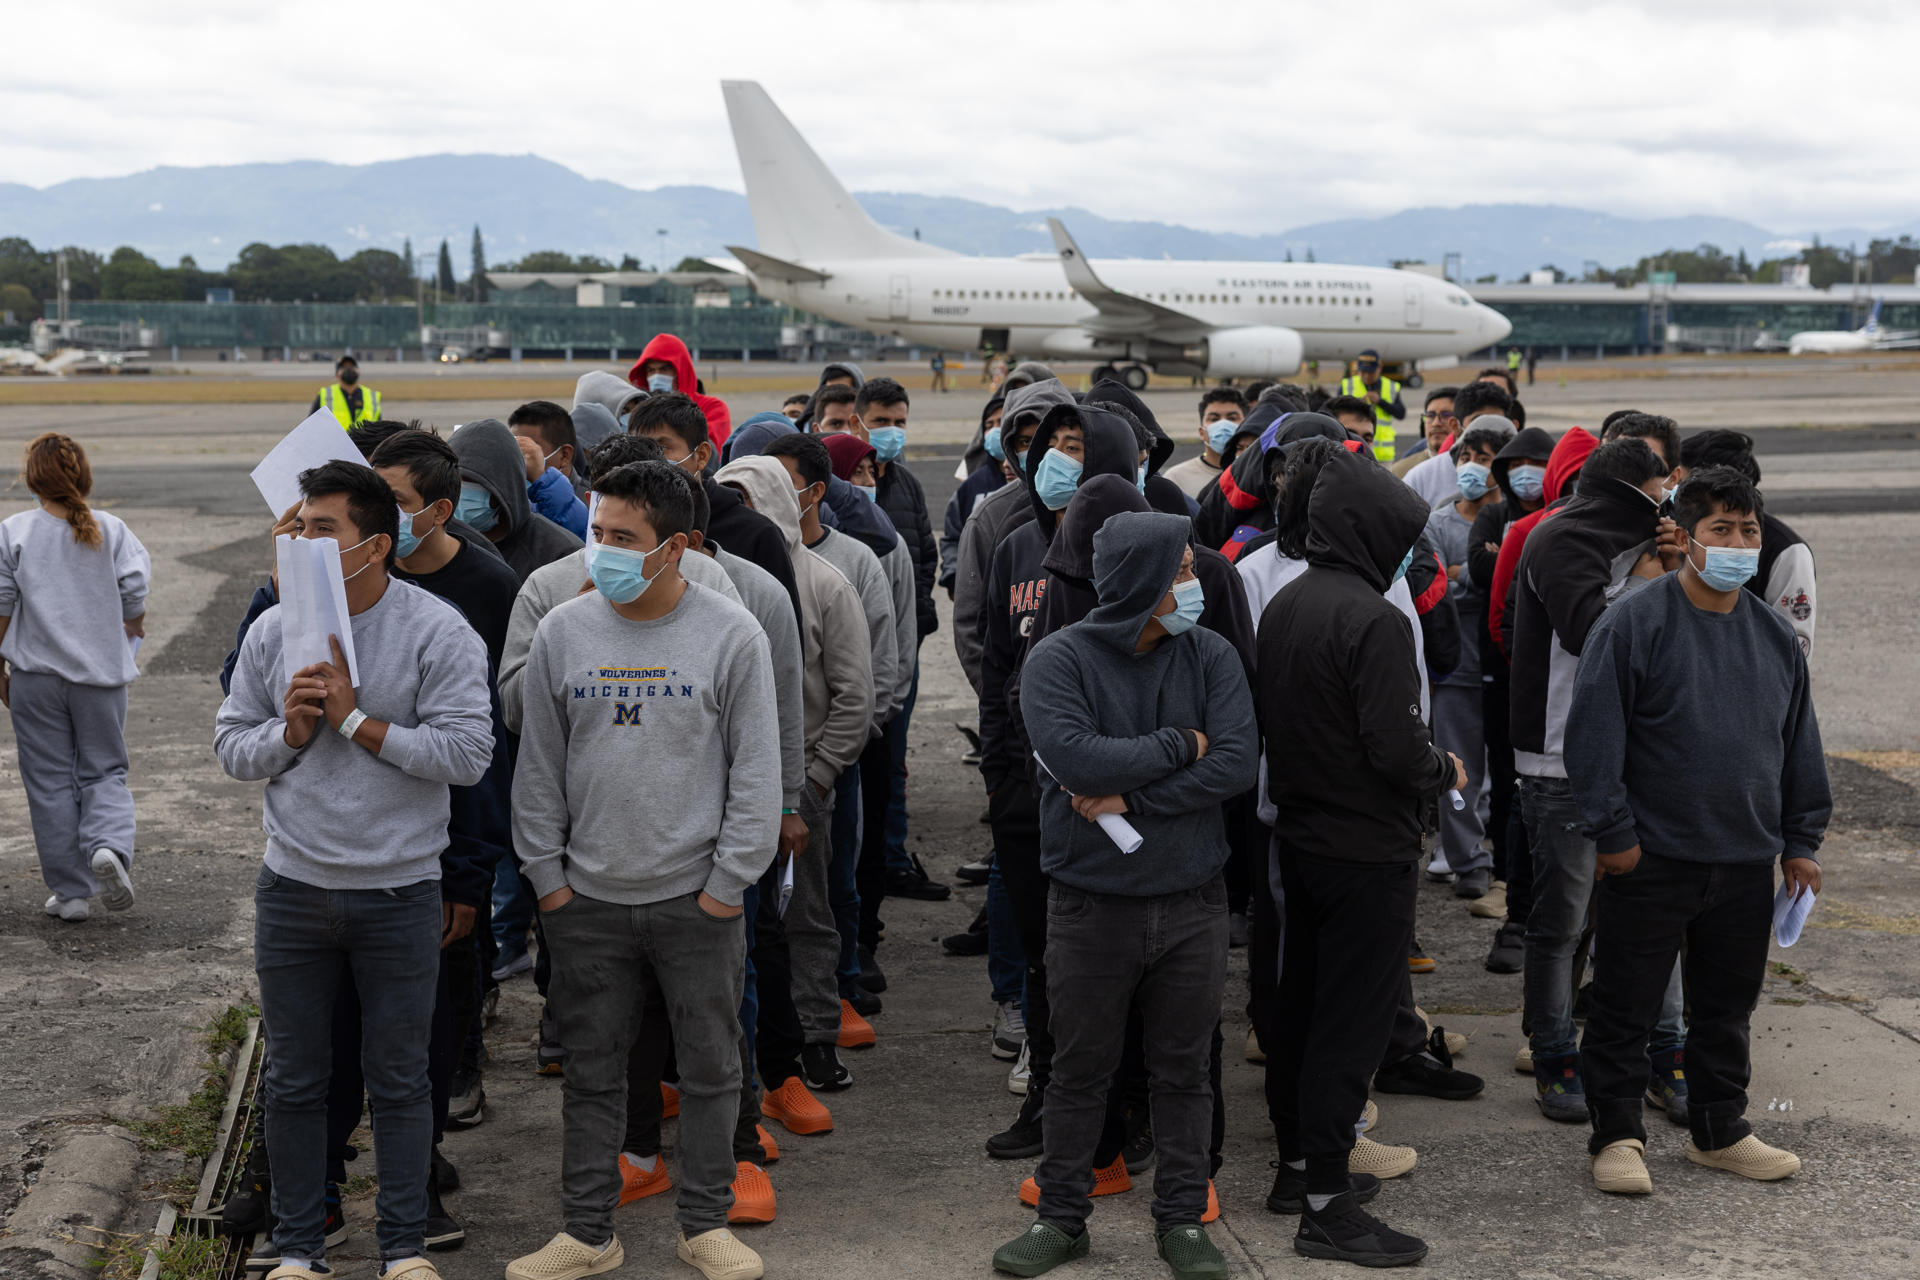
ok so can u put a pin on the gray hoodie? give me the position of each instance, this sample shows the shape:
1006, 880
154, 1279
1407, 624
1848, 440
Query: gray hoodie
1004, 509
762, 596
1105, 720
838, 688
608, 390
490, 457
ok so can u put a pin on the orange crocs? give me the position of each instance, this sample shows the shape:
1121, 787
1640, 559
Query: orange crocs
752, 1195
637, 1183
791, 1105
1110, 1181
855, 1031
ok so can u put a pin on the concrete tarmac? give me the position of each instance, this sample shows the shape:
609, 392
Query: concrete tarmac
99, 1020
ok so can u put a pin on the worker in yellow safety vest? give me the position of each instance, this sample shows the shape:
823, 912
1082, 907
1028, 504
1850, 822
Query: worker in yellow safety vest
350, 403
1383, 394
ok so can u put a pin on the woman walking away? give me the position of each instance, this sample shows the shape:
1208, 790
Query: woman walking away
73, 601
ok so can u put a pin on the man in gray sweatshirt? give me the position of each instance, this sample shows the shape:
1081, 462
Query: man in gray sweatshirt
356, 812
1134, 712
646, 801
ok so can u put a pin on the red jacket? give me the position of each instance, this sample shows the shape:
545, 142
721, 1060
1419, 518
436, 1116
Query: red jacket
669, 348
1569, 455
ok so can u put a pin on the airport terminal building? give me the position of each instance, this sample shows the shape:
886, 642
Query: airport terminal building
554, 315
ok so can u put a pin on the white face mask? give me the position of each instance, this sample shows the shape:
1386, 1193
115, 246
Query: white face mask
356, 546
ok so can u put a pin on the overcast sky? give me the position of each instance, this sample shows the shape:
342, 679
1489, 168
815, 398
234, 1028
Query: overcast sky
1229, 116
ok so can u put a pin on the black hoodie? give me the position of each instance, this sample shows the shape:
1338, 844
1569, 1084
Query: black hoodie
1349, 759
982, 480
1017, 580
1239, 506
1106, 719
490, 457
1490, 524
905, 503
1162, 494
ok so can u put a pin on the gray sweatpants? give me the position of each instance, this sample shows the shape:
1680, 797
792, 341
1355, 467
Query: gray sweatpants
1457, 728
813, 939
609, 962
72, 740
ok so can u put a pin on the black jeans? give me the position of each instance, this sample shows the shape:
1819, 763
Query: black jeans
1015, 815
1342, 974
778, 1035
1722, 913
1495, 709
1168, 955
870, 875
650, 1062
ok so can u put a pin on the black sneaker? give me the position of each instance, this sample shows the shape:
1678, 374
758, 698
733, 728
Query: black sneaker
490, 1007
549, 1059
1022, 1139
248, 1205
1509, 953
1474, 883
970, 943
1583, 1002
1428, 1073
467, 1105
1237, 929
914, 882
264, 1256
821, 1070
1667, 1087
443, 1169
975, 872
336, 1224
443, 1232
1138, 1150
1289, 1194
1344, 1232
872, 976
864, 1002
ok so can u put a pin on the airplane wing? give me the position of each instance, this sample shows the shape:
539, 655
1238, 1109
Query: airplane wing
762, 264
1897, 342
1121, 315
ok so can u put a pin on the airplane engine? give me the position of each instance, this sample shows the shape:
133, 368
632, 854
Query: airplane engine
1256, 351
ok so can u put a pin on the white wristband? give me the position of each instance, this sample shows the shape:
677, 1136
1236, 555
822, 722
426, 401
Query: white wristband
351, 725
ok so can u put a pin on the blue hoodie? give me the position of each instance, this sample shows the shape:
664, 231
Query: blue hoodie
1104, 719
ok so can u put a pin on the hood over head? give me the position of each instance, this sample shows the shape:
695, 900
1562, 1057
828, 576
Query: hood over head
1362, 519
1568, 457
1260, 417
1159, 445
1136, 555
1026, 373
490, 457
1245, 483
1109, 448
975, 454
847, 510
1529, 443
770, 491
1033, 402
669, 348
752, 437
608, 390
1099, 500
592, 423
846, 450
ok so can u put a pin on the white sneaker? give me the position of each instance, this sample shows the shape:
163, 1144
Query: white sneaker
116, 889
1017, 1078
72, 910
1438, 868
1009, 1031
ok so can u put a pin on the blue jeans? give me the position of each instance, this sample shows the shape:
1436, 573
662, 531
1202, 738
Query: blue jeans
512, 911
896, 735
843, 890
305, 941
1563, 863
1006, 961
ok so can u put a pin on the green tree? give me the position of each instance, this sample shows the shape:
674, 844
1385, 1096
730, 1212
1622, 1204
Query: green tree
19, 300
553, 260
406, 252
630, 263
380, 275
479, 268
697, 264
131, 275
444, 281
292, 273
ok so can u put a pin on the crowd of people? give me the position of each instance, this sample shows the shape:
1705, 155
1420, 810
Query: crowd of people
626, 706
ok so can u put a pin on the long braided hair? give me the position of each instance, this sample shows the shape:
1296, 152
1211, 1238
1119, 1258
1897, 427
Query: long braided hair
57, 471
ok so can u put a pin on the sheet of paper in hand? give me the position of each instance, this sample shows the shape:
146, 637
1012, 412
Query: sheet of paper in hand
1790, 913
314, 443
313, 604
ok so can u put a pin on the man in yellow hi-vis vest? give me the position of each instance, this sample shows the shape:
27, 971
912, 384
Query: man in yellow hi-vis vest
350, 403
1383, 394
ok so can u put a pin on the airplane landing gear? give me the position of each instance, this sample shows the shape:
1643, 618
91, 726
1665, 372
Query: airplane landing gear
1134, 377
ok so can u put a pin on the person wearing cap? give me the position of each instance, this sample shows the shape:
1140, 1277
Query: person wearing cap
349, 402
1383, 394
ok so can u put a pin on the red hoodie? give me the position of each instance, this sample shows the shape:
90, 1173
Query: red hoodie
669, 348
1568, 456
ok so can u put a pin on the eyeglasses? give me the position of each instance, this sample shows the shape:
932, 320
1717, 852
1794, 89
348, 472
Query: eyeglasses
1437, 415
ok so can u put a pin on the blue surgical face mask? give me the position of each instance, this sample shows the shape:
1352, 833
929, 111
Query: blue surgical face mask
623, 419
408, 542
995, 449
1406, 563
1726, 568
1473, 479
873, 494
1527, 481
1220, 434
1056, 479
888, 442
1140, 478
619, 574
659, 383
476, 508
1189, 599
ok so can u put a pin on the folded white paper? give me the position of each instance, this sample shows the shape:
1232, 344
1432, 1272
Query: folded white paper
1118, 829
1790, 912
786, 885
314, 443
1457, 800
313, 604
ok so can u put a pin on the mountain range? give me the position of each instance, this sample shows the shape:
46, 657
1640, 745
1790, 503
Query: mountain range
524, 202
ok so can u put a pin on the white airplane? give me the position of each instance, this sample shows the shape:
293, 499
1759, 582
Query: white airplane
1871, 337
820, 252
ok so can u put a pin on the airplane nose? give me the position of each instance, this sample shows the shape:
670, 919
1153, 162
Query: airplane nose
1494, 327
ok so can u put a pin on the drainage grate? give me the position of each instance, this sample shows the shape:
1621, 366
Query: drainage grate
225, 1167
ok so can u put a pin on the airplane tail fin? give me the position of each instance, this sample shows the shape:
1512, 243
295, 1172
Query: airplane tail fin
801, 213
1873, 318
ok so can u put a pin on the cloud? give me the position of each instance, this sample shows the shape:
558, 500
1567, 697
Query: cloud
1218, 114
